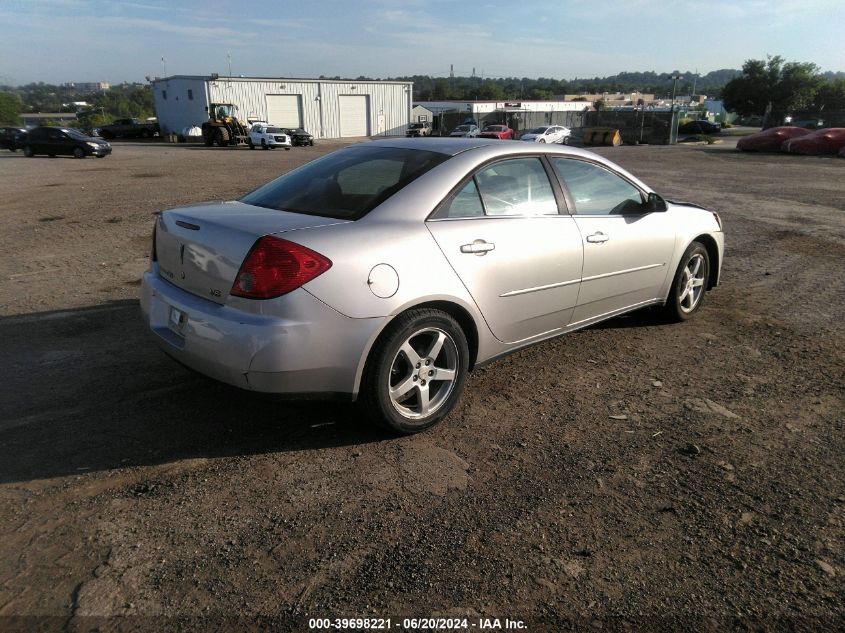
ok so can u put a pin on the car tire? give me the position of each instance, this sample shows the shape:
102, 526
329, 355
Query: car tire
251, 144
409, 354
28, 151
264, 144
78, 152
145, 134
689, 285
101, 155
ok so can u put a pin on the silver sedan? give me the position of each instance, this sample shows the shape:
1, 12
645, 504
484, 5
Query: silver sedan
386, 271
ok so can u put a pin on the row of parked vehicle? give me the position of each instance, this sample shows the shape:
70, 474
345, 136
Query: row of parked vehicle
53, 141
542, 134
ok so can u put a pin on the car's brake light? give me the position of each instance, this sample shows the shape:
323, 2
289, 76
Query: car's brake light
274, 267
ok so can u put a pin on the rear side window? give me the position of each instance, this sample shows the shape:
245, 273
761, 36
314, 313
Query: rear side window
597, 191
516, 187
347, 184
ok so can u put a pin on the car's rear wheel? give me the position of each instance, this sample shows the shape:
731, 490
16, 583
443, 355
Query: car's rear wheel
28, 151
689, 284
78, 152
542, 140
416, 371
251, 144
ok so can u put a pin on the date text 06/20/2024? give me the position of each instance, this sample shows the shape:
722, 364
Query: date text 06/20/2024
416, 624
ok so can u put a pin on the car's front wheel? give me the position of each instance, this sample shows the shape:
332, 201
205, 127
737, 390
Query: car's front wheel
416, 371
689, 284
78, 152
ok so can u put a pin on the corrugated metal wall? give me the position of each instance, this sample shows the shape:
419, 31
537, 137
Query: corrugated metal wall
178, 111
389, 103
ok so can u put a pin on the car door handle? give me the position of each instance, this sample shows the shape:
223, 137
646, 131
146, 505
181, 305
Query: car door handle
598, 238
479, 247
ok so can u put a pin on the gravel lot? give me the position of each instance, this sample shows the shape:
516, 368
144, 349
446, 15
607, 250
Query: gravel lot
632, 476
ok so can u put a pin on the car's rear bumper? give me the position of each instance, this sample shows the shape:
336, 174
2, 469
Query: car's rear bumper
313, 351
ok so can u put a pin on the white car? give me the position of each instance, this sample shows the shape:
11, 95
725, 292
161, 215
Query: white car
266, 136
548, 134
466, 130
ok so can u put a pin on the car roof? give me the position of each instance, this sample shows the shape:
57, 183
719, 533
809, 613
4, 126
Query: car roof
453, 146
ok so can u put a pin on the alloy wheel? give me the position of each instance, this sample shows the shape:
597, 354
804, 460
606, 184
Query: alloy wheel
423, 372
692, 283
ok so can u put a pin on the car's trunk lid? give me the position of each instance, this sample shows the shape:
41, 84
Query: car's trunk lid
200, 248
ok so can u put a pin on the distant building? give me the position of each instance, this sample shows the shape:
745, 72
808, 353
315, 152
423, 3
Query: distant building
614, 99
327, 108
88, 86
419, 114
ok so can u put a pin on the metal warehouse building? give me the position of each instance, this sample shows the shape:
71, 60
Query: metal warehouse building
326, 108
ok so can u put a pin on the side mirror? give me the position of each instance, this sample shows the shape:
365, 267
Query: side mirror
654, 203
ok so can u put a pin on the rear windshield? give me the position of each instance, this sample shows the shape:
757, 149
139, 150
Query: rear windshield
539, 130
346, 184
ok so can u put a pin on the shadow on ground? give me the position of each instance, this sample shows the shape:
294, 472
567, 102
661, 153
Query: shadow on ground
88, 390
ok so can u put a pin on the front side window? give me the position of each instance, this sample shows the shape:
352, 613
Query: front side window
347, 184
516, 187
597, 191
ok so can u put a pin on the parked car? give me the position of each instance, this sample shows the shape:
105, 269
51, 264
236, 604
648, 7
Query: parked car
418, 129
299, 137
769, 140
466, 130
501, 132
700, 126
268, 137
548, 134
811, 123
12, 138
127, 128
819, 142
55, 141
387, 270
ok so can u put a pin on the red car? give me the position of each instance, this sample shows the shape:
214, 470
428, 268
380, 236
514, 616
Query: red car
501, 132
770, 140
827, 141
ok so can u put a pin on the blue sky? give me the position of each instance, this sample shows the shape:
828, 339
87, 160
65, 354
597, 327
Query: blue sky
97, 40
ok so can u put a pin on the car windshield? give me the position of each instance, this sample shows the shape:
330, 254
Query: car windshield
74, 133
494, 128
415, 126
539, 130
462, 128
347, 184
275, 130
297, 130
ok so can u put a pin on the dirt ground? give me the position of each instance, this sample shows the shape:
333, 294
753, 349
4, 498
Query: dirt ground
631, 476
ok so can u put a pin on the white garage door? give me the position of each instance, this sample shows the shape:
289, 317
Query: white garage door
284, 110
354, 115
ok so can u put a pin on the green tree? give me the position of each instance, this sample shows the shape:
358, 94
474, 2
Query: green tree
785, 86
10, 108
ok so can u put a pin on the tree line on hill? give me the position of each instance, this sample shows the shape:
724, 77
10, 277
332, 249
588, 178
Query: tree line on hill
761, 84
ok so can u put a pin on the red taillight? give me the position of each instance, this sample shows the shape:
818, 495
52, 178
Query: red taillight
274, 267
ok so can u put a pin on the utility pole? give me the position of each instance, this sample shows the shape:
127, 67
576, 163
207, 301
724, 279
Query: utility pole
675, 79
